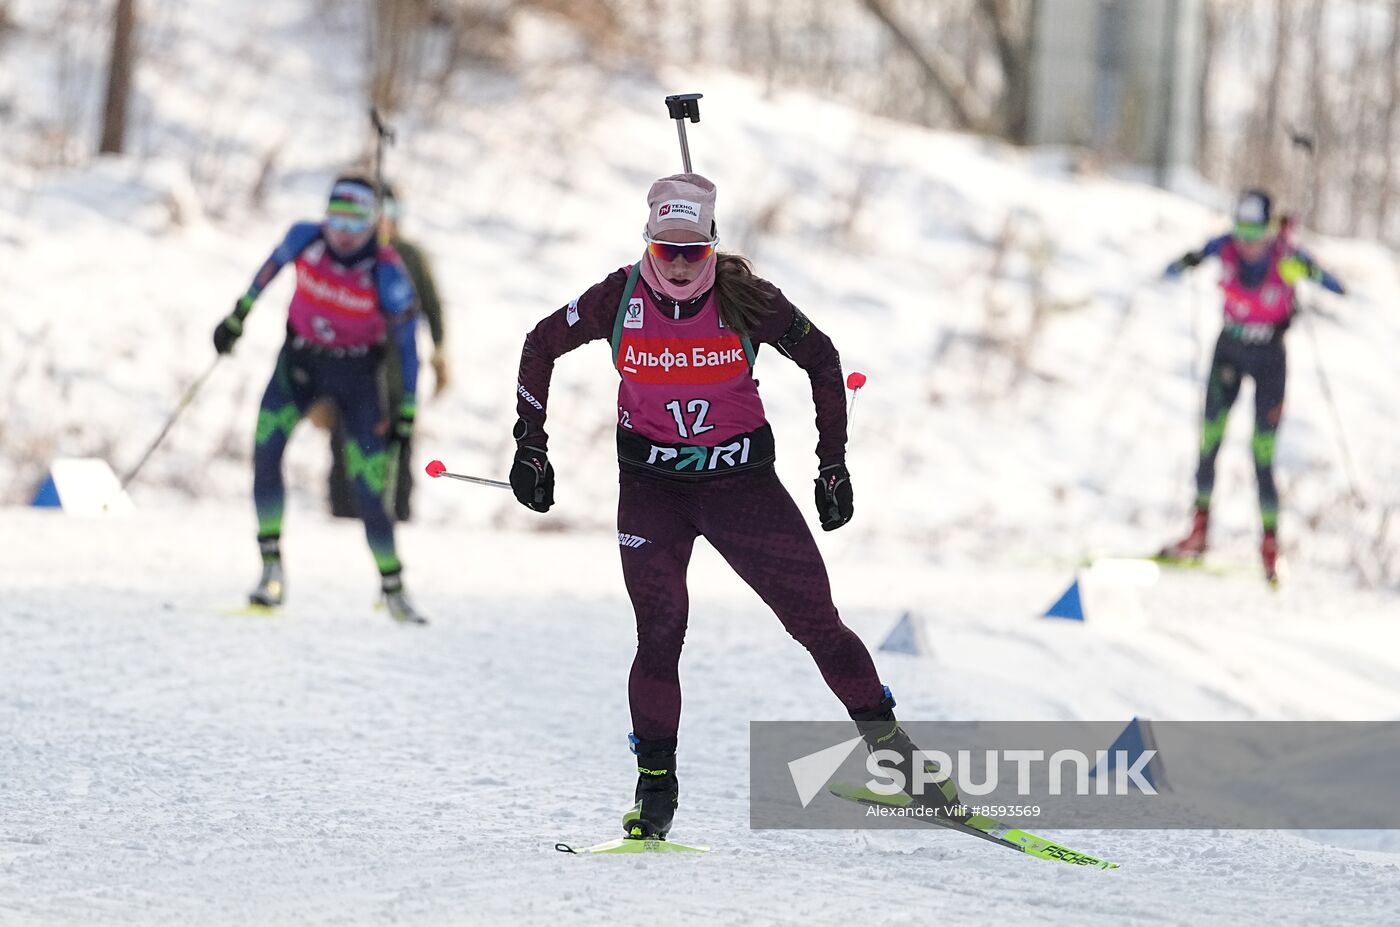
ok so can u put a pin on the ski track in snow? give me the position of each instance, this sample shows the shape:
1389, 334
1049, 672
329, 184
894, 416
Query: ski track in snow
168, 762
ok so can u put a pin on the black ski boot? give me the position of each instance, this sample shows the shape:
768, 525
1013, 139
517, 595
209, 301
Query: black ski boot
657, 789
401, 608
271, 586
881, 731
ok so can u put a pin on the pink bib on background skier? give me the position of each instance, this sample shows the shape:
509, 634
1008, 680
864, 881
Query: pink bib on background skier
334, 305
1269, 303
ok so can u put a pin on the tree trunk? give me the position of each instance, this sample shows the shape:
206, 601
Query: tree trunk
1315, 166
1010, 27
1266, 159
119, 78
395, 51
1386, 200
1361, 116
1210, 48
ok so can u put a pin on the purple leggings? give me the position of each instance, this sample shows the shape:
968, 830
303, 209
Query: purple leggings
754, 524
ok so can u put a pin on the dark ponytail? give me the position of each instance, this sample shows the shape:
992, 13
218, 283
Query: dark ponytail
743, 299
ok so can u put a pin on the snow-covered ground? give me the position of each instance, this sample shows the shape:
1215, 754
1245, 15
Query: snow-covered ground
168, 762
165, 761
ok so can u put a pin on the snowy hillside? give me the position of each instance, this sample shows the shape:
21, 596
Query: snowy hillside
1033, 398
1047, 389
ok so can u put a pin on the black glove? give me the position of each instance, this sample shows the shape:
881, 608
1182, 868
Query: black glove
532, 478
226, 335
1182, 264
231, 327
835, 504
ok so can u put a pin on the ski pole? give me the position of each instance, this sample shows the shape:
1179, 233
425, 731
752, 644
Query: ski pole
1195, 297
683, 106
854, 381
437, 468
185, 400
1348, 464
1304, 142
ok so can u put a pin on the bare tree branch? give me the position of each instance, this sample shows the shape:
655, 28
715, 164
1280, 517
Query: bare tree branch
945, 80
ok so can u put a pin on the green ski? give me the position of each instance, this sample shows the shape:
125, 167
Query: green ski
979, 826
1198, 565
632, 845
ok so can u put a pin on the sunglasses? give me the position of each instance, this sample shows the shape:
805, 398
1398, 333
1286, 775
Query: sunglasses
690, 252
349, 224
1250, 232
